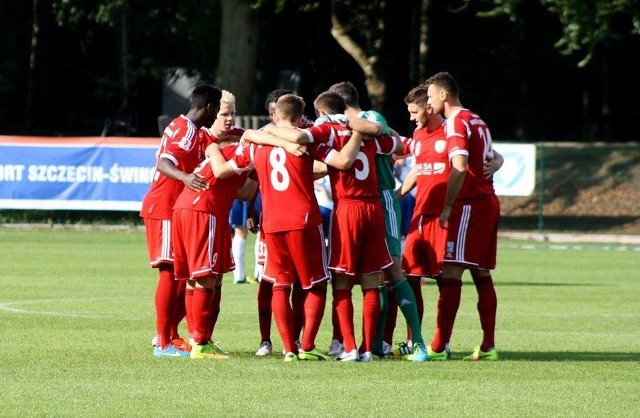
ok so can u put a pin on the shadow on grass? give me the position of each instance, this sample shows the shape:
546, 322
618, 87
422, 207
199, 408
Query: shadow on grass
566, 223
432, 283
500, 284
568, 356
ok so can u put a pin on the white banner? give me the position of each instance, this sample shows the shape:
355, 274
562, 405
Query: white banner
517, 176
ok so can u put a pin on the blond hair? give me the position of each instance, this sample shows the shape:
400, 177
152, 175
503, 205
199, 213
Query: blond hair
227, 97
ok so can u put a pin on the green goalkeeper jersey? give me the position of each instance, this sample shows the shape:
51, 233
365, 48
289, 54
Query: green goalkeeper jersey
384, 163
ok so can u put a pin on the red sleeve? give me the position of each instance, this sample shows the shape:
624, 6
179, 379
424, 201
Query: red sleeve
321, 134
386, 144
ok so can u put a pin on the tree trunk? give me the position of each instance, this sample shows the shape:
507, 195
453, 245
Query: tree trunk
376, 87
124, 54
238, 52
33, 55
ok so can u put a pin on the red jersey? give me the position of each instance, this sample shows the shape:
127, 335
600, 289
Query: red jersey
468, 135
359, 181
184, 144
432, 169
286, 185
218, 199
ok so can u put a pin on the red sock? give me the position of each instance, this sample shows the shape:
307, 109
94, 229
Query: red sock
179, 309
447, 308
164, 303
188, 298
487, 306
417, 291
392, 317
314, 305
344, 310
297, 304
201, 314
265, 291
370, 315
335, 322
215, 310
283, 315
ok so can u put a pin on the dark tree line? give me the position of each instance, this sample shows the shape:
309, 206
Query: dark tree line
535, 70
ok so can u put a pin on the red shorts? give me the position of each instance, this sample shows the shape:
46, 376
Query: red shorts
201, 244
296, 256
158, 233
472, 237
424, 247
358, 242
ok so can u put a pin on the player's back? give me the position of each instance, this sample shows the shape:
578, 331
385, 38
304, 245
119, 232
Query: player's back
467, 131
286, 188
360, 180
384, 162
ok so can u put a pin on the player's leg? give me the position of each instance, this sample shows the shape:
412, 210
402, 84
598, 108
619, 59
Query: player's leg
238, 219
370, 285
487, 307
342, 295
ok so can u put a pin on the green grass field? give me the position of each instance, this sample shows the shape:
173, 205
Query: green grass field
77, 317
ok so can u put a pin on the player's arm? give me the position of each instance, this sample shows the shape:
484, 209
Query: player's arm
221, 167
343, 159
193, 181
294, 135
399, 148
454, 184
253, 216
248, 191
265, 138
492, 164
408, 183
364, 126
320, 169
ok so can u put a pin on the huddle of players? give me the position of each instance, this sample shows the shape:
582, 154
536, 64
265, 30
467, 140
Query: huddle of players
281, 157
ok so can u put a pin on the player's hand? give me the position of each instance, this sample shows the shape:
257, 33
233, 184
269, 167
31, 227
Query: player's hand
295, 149
252, 225
490, 166
444, 216
340, 118
195, 182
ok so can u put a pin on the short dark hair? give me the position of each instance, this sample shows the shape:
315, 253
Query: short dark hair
348, 91
418, 95
330, 102
274, 95
204, 95
445, 81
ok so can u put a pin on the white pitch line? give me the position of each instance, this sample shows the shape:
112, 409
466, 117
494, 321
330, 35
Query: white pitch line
8, 307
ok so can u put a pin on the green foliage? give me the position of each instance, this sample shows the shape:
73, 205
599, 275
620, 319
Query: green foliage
586, 25
77, 315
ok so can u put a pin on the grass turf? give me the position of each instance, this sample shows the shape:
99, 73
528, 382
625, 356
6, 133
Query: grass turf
77, 317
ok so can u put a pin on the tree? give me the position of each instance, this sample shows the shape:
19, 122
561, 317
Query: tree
586, 25
591, 31
379, 36
238, 50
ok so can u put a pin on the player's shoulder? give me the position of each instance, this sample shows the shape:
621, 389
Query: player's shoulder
236, 131
373, 116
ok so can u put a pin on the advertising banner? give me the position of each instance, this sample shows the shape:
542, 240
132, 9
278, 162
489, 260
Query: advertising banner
84, 173
517, 176
114, 173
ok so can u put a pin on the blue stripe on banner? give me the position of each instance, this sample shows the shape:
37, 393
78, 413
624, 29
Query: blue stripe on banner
84, 176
